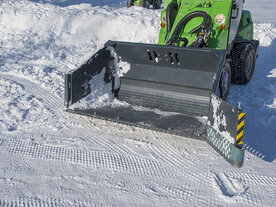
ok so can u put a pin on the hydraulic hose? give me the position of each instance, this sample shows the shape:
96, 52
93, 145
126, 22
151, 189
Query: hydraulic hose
169, 22
182, 23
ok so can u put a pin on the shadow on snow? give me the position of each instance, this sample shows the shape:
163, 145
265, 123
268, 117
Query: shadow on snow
256, 99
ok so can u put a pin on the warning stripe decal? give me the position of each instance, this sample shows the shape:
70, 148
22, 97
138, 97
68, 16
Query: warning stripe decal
241, 117
240, 128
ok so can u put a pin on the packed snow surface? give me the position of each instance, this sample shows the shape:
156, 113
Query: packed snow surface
52, 158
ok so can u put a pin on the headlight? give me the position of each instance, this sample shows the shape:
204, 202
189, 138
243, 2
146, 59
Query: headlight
164, 17
220, 18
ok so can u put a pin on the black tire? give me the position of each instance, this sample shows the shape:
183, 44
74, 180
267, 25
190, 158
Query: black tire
225, 81
145, 3
157, 4
243, 63
130, 3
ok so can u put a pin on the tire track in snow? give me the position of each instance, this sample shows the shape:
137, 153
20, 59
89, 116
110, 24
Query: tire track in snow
53, 102
53, 202
253, 178
179, 160
185, 194
173, 157
95, 159
87, 123
50, 100
179, 192
166, 144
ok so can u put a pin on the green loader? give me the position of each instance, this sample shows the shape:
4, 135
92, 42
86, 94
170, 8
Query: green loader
156, 4
180, 85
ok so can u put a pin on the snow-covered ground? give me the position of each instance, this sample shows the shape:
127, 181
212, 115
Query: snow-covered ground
52, 158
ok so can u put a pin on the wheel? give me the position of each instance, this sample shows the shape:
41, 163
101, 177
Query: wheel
145, 3
157, 4
225, 81
130, 3
243, 63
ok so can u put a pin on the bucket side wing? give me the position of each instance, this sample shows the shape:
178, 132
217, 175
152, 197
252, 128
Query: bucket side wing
225, 130
77, 81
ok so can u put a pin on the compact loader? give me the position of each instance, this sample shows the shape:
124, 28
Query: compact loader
204, 46
156, 4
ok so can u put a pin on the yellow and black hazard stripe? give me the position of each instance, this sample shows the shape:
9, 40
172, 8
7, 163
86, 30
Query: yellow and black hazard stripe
240, 128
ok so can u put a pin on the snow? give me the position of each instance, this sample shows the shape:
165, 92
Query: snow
53, 158
220, 120
101, 92
101, 95
265, 33
262, 12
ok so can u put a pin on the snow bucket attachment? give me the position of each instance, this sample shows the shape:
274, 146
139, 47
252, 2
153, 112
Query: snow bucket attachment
164, 88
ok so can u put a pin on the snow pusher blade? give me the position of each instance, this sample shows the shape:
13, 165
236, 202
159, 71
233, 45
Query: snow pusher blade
165, 88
